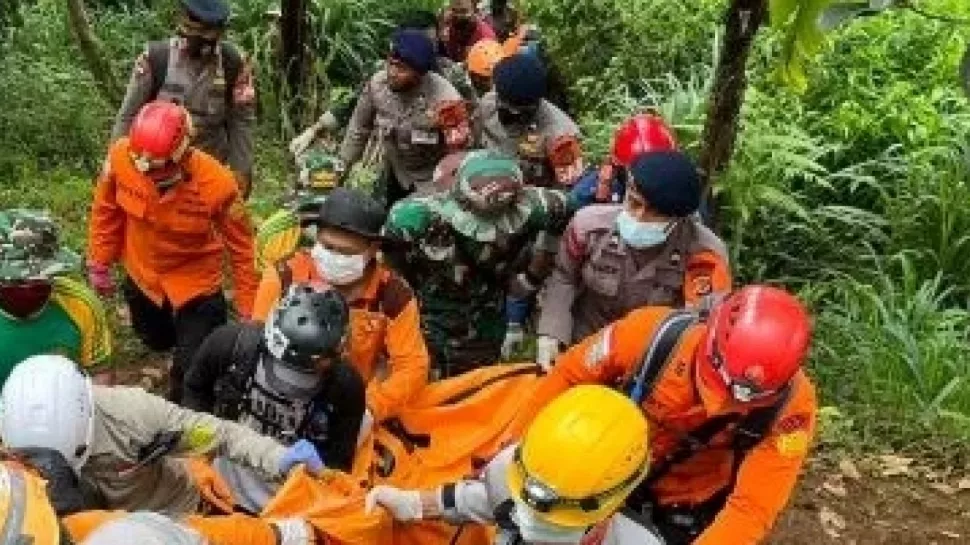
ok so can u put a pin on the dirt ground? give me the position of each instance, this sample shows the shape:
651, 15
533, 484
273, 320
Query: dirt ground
899, 509
873, 501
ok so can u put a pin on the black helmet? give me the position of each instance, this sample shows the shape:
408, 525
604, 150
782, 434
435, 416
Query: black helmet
354, 211
208, 12
305, 325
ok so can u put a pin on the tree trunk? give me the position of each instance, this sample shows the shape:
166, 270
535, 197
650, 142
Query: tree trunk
743, 20
93, 53
293, 55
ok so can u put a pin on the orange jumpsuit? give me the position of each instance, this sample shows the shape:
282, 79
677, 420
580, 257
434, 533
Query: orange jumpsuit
384, 323
172, 244
679, 403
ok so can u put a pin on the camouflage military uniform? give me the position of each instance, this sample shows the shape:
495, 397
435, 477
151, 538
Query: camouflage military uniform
223, 112
68, 320
462, 262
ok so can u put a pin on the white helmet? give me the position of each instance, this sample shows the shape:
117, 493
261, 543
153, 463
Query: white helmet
145, 529
47, 402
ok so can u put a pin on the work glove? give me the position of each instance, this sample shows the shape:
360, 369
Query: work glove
547, 348
404, 505
303, 142
514, 338
293, 532
99, 276
302, 452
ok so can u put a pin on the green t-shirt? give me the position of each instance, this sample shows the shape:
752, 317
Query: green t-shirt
50, 332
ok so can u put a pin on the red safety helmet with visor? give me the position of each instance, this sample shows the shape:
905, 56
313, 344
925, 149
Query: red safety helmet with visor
159, 140
757, 340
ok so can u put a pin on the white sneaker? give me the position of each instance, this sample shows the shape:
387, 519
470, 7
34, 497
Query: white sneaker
294, 532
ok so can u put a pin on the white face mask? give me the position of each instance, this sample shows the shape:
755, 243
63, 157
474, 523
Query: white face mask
337, 268
536, 531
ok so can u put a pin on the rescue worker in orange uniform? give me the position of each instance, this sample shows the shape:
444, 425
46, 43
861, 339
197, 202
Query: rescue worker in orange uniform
731, 411
650, 250
170, 213
385, 326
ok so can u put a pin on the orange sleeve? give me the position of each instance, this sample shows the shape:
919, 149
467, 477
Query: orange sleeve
237, 234
106, 227
267, 294
768, 475
408, 362
707, 273
233, 530
602, 358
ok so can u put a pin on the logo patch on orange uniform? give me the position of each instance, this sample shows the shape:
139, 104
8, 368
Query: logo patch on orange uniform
793, 438
793, 445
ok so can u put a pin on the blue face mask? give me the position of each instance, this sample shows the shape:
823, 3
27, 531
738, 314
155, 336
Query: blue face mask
639, 234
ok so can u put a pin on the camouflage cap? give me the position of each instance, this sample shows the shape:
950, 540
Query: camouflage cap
29, 246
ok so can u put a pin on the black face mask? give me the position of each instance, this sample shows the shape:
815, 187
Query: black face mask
517, 116
23, 300
198, 47
464, 27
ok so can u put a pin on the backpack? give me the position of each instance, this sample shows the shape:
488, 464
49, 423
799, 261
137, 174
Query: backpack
158, 52
750, 429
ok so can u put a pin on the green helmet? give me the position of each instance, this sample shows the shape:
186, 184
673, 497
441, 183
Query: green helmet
320, 171
29, 246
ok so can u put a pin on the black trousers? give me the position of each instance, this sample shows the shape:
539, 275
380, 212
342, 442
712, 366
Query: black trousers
164, 328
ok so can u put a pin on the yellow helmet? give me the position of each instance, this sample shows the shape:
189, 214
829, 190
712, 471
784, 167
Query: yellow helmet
581, 457
24, 507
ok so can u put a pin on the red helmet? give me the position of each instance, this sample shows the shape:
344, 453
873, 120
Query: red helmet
159, 137
640, 134
757, 340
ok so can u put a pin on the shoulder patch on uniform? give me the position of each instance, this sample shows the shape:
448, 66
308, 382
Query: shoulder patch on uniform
395, 296
244, 88
793, 423
794, 444
597, 352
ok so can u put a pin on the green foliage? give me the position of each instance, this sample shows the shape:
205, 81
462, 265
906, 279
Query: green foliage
798, 21
907, 373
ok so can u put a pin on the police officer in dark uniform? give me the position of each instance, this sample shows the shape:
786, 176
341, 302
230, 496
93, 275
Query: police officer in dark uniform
212, 79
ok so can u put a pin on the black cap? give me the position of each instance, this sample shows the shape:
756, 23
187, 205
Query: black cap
307, 324
354, 211
208, 12
669, 181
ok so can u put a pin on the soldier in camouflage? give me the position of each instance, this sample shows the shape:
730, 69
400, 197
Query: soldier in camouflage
41, 310
464, 249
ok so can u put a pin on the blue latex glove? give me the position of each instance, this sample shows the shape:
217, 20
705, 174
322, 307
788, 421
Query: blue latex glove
584, 190
302, 452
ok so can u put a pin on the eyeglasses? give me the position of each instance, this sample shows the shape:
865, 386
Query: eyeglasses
743, 391
540, 497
